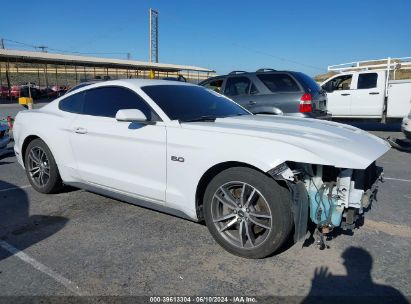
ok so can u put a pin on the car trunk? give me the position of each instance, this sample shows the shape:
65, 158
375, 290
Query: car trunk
318, 95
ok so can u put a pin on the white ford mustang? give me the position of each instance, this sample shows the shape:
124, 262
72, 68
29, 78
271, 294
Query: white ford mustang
183, 149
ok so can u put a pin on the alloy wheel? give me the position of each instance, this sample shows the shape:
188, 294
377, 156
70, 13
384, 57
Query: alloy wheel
38, 166
241, 215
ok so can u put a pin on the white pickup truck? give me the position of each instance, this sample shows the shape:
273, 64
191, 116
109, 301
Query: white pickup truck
368, 91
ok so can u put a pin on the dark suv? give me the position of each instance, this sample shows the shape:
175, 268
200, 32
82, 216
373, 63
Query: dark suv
268, 91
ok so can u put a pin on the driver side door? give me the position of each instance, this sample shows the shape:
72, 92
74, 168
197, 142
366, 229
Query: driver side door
125, 157
339, 95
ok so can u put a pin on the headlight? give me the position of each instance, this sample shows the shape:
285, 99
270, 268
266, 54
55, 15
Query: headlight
282, 171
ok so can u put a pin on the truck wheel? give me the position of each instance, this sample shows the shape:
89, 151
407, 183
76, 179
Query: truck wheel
247, 212
41, 168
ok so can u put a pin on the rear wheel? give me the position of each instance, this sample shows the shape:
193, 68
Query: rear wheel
247, 212
41, 168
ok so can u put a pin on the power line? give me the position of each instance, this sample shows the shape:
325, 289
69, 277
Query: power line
43, 48
177, 19
278, 57
64, 51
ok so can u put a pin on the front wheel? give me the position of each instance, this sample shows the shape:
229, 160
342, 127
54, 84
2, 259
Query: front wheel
41, 168
247, 212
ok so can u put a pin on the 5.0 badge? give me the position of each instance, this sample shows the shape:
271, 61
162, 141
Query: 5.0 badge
177, 158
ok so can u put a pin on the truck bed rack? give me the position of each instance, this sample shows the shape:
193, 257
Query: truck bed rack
387, 64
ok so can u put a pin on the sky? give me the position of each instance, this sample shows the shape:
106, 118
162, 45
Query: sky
299, 35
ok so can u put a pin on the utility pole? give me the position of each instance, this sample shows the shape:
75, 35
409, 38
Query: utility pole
7, 69
43, 48
153, 35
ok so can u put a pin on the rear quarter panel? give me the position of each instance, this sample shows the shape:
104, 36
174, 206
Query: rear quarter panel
52, 126
287, 102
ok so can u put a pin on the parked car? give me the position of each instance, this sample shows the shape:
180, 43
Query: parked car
60, 89
48, 92
268, 91
363, 90
406, 126
22, 90
178, 78
4, 92
15, 92
183, 149
4, 138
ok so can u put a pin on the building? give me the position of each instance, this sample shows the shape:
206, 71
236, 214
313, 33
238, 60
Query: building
49, 69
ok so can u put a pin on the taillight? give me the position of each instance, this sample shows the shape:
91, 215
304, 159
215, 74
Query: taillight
305, 103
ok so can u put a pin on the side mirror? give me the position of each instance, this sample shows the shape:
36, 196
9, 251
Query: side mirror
132, 115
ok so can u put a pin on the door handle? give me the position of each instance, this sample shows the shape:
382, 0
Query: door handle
345, 94
374, 93
80, 130
251, 103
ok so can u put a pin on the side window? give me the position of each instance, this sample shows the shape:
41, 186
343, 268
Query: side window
253, 89
215, 85
106, 101
338, 83
367, 81
73, 103
277, 83
237, 86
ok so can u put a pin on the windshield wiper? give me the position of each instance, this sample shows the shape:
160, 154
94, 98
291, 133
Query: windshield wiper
201, 118
240, 114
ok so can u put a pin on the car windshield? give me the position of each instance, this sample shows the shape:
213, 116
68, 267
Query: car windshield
192, 103
81, 85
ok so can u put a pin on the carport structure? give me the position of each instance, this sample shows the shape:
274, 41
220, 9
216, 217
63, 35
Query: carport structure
46, 69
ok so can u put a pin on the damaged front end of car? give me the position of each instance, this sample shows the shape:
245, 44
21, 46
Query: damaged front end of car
330, 197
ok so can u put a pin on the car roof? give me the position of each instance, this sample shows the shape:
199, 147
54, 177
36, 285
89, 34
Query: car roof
241, 73
135, 83
138, 82
149, 82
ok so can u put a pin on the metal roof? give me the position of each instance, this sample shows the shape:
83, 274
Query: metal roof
53, 58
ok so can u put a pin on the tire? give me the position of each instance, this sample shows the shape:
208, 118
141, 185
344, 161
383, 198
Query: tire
38, 150
262, 203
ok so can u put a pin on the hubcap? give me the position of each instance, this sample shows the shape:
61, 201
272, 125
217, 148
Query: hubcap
241, 215
38, 166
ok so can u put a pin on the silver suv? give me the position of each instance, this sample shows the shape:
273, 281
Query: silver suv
268, 91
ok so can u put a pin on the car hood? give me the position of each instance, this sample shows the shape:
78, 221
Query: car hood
331, 143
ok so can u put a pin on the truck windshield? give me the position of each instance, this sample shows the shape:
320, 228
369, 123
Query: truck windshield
192, 103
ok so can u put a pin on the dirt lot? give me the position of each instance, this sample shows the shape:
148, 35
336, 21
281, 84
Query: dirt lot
79, 243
